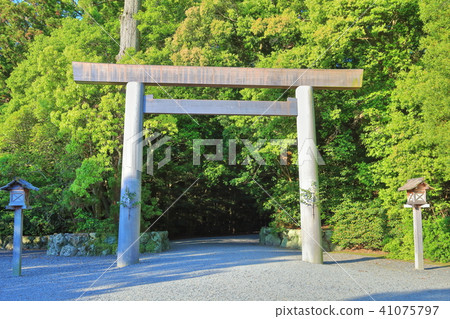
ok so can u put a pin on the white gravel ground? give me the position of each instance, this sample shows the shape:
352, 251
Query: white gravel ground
223, 268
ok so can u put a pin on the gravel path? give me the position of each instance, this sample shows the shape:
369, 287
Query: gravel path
223, 268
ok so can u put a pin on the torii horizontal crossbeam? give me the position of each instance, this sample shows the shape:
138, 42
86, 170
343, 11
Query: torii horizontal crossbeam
166, 75
207, 107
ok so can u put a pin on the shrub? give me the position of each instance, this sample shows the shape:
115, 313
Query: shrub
85, 222
359, 225
436, 239
401, 247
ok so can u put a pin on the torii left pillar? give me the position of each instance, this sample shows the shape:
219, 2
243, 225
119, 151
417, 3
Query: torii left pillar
130, 194
308, 177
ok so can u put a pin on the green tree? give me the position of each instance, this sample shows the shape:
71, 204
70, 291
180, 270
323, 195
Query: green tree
21, 21
411, 139
62, 136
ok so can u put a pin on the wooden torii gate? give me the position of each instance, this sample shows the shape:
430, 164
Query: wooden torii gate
136, 104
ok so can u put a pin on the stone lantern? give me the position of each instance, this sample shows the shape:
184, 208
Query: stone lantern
416, 192
19, 192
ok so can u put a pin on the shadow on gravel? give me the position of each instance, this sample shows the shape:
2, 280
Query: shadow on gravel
436, 267
420, 295
67, 278
348, 261
25, 252
190, 259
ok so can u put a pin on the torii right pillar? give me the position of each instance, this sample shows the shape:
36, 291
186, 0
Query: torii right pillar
308, 177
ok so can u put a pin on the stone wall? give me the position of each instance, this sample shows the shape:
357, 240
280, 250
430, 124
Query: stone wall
29, 242
68, 245
292, 238
154, 242
93, 244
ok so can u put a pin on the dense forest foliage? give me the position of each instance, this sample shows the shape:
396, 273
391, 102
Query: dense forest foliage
66, 138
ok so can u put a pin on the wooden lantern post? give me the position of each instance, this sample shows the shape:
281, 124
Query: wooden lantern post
416, 190
19, 191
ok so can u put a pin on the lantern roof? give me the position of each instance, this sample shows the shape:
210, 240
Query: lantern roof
20, 182
413, 183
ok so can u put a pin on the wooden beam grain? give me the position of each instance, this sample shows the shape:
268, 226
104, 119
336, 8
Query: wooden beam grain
196, 76
207, 107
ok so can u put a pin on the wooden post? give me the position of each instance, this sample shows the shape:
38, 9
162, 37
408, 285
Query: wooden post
130, 208
17, 241
19, 190
308, 177
416, 192
418, 240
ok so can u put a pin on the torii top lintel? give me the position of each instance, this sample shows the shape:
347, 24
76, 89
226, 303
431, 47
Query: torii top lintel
166, 75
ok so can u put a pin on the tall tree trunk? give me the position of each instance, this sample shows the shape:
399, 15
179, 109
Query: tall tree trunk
129, 34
